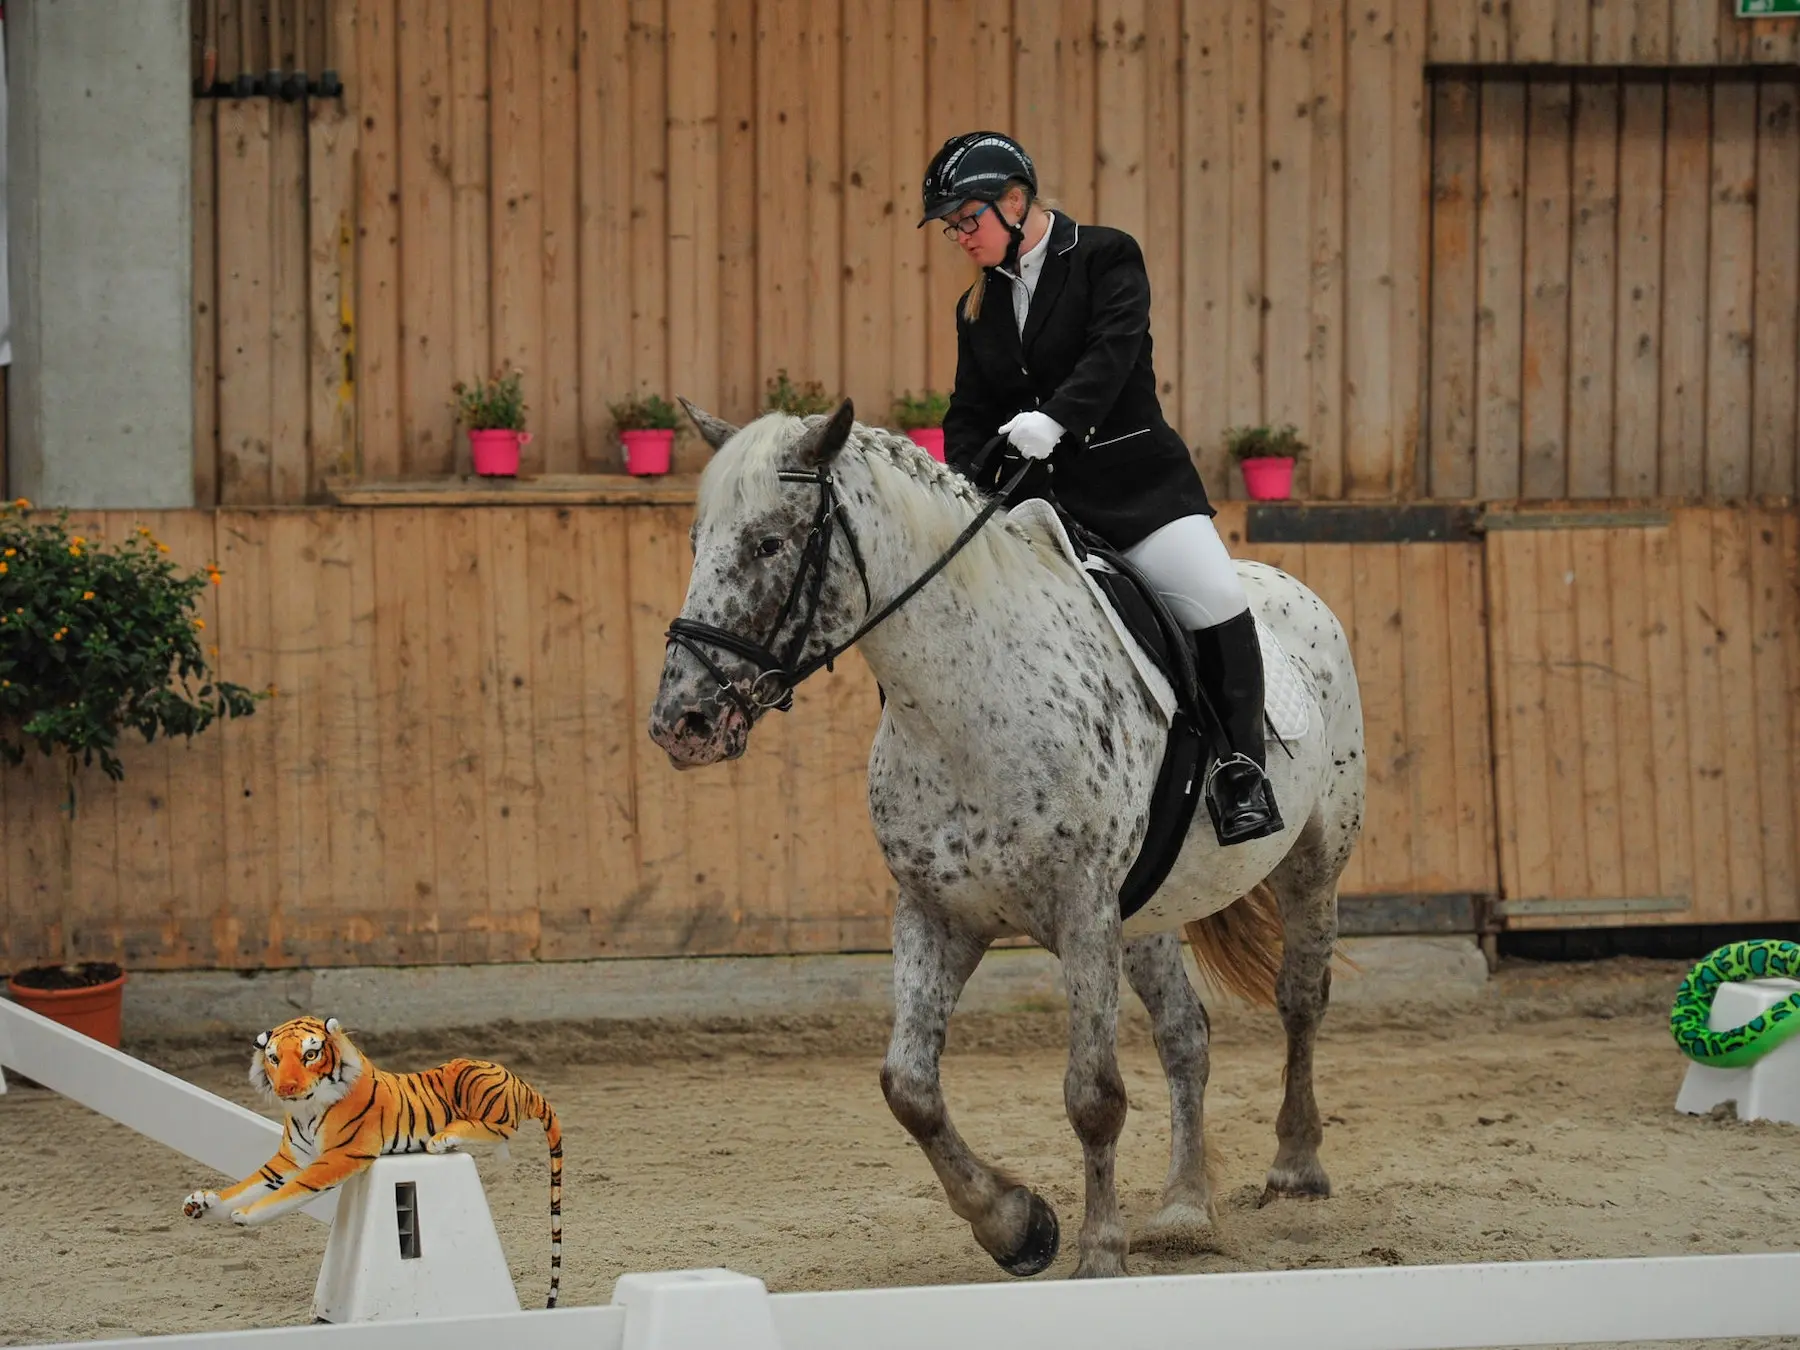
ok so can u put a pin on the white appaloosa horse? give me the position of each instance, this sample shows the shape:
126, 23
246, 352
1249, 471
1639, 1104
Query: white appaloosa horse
1008, 785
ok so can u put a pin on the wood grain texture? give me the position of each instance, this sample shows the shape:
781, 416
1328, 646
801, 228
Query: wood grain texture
1623, 286
453, 767
1616, 715
469, 204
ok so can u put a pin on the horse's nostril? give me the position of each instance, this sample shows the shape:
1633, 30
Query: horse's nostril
697, 725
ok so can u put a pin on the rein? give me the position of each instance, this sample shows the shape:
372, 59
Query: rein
785, 670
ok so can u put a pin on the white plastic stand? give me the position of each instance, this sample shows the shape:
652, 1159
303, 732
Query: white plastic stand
413, 1237
695, 1310
1766, 1090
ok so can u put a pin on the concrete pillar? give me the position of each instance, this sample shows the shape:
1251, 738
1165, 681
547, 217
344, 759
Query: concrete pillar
100, 264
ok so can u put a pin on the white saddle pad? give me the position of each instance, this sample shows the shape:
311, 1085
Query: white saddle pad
1285, 698
1286, 701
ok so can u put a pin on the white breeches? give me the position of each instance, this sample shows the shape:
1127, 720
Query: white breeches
1187, 563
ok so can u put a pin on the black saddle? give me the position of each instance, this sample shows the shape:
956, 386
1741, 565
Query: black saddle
1191, 731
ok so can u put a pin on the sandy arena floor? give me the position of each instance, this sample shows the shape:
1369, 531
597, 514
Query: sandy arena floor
1536, 1126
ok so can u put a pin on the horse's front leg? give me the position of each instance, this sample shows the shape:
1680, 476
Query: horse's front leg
1093, 1090
932, 962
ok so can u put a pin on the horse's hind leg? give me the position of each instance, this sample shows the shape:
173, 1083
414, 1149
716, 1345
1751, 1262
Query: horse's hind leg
1306, 885
1179, 1023
932, 962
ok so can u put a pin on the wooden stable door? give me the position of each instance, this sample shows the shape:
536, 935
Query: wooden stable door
1646, 694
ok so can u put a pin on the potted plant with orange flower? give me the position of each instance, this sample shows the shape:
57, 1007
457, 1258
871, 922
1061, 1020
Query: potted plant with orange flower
94, 642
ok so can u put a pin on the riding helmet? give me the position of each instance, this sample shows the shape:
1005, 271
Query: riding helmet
976, 164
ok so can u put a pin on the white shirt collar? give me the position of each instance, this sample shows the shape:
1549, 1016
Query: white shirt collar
1032, 261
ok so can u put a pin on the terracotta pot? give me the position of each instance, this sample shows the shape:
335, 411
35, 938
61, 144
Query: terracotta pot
1268, 478
932, 438
93, 1009
647, 449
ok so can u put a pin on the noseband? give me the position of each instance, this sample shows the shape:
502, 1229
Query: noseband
782, 672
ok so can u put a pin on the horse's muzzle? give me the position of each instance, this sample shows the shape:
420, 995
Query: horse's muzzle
692, 738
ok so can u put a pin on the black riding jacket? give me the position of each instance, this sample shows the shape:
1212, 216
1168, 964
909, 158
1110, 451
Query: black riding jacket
1085, 360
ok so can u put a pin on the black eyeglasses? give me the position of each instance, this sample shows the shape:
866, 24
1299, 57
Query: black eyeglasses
967, 225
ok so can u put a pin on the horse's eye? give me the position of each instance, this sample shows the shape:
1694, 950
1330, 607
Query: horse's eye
769, 547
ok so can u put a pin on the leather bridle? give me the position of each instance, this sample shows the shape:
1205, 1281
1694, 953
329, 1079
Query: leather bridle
783, 670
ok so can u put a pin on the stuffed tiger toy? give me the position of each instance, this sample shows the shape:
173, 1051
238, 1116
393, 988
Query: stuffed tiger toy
342, 1113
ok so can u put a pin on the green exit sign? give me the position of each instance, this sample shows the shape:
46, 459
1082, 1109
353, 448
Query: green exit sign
1763, 9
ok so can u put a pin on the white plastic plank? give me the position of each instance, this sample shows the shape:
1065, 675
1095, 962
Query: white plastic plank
1459, 1307
600, 1328
1466, 1307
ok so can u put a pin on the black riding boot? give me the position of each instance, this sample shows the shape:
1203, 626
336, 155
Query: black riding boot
1228, 661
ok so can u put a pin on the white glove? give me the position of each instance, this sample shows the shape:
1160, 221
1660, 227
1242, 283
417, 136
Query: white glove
1033, 434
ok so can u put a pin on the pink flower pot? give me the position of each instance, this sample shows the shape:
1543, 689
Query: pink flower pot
494, 452
647, 450
1268, 478
932, 438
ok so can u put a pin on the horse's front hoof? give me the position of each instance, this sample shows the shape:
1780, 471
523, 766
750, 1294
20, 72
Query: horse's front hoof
1178, 1229
1101, 1266
1042, 1240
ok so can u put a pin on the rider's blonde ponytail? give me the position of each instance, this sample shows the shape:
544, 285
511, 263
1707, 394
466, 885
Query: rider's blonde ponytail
972, 301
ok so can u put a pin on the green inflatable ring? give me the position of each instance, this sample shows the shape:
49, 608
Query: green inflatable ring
1759, 959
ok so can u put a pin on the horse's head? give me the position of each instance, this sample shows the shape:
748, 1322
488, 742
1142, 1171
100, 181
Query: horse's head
777, 581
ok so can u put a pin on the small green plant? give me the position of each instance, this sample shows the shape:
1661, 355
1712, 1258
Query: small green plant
491, 405
96, 641
927, 410
649, 412
1264, 442
783, 395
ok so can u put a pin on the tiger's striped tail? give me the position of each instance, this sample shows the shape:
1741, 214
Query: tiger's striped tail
541, 1109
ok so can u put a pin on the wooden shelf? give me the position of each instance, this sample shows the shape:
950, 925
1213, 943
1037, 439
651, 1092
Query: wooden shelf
551, 489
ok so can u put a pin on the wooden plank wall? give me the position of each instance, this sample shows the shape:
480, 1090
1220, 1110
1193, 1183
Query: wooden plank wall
602, 193
1615, 286
1605, 32
683, 196
1646, 688
455, 766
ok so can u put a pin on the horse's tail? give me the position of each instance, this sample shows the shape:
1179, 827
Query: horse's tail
1238, 948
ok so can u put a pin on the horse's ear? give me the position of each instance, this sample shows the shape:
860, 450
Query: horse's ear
821, 444
714, 431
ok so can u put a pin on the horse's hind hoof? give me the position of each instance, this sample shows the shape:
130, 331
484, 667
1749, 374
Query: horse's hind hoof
1042, 1240
1296, 1184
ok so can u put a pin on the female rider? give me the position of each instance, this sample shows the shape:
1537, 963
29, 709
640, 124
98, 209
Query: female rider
1058, 359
